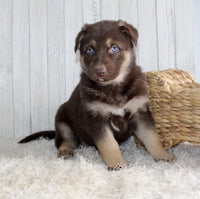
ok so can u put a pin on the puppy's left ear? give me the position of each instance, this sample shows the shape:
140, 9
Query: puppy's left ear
129, 30
80, 36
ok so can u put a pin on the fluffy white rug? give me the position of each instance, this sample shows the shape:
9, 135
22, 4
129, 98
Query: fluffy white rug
32, 170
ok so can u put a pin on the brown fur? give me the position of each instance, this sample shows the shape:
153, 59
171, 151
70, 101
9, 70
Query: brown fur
111, 101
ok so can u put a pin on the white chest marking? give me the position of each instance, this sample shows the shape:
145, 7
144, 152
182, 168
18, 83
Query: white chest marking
131, 106
105, 109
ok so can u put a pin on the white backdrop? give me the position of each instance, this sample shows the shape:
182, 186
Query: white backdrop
38, 66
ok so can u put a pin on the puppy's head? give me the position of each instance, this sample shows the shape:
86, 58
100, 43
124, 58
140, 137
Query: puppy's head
107, 50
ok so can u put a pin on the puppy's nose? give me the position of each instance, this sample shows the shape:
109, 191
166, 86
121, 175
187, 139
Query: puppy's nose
100, 71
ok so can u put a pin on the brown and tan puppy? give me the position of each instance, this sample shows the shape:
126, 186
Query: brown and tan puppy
110, 103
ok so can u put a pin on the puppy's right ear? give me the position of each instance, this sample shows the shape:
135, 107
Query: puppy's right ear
80, 36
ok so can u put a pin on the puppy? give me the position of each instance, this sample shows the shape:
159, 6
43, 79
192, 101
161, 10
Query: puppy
110, 103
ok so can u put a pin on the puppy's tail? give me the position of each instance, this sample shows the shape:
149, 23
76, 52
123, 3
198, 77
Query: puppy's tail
44, 134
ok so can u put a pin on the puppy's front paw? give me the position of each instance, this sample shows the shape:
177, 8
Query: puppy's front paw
118, 166
65, 154
167, 157
65, 151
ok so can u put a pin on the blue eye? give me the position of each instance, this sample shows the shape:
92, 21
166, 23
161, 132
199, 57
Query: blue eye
90, 50
114, 48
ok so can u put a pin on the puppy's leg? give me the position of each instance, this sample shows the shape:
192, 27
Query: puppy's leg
109, 150
146, 132
65, 140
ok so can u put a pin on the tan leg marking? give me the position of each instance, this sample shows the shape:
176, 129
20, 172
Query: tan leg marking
151, 140
109, 150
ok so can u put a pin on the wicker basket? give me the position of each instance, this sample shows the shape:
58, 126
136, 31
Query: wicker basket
175, 106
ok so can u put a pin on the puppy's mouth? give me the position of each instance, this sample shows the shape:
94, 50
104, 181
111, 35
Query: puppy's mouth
100, 77
102, 80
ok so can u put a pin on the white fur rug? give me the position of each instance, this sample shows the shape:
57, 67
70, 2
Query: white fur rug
32, 170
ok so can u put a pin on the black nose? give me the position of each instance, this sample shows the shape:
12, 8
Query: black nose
100, 71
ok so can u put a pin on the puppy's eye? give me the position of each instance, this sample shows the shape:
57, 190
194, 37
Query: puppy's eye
90, 51
114, 49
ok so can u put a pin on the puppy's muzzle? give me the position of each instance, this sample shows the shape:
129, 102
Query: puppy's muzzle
100, 71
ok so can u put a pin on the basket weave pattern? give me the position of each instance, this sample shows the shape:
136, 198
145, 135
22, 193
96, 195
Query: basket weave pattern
175, 106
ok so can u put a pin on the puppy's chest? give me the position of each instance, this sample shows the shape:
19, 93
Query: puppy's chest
105, 109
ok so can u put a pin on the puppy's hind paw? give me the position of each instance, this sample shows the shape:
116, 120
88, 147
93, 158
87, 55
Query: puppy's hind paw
118, 166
